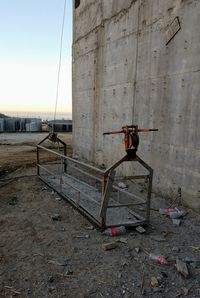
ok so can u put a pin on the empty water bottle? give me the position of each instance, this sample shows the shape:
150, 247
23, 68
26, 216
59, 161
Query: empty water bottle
176, 213
115, 231
166, 211
172, 212
159, 259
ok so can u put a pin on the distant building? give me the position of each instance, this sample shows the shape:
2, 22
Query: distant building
60, 125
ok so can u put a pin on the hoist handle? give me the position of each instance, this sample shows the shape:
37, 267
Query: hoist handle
131, 126
147, 129
113, 132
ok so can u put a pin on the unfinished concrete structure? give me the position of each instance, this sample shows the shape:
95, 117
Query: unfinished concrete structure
124, 73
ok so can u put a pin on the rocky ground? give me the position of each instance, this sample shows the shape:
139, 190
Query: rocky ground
44, 257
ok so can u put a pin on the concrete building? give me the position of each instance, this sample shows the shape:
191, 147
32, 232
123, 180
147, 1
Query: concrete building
60, 125
138, 61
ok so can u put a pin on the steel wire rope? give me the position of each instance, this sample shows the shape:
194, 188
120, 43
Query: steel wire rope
60, 61
58, 81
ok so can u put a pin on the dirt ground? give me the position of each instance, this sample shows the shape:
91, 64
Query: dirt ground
42, 257
18, 149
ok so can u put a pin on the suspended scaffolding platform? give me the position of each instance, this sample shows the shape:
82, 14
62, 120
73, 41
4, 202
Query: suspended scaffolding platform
95, 192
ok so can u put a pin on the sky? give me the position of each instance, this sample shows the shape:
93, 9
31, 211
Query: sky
30, 33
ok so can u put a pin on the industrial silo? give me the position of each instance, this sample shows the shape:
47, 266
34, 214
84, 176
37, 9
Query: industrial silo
9, 124
1, 125
35, 125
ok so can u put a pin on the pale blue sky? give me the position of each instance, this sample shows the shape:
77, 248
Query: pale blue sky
30, 33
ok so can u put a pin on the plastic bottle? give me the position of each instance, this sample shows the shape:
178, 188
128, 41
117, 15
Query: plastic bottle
115, 231
172, 212
166, 211
176, 213
159, 259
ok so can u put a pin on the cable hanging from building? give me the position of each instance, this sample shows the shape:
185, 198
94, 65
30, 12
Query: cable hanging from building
60, 62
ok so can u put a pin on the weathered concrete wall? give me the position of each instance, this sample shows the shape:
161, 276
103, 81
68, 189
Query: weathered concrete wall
124, 73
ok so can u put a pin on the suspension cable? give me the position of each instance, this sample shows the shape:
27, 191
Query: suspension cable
60, 61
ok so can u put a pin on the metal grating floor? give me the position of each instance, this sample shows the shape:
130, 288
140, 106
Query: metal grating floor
88, 198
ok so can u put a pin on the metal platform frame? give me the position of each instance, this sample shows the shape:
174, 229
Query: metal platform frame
63, 181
